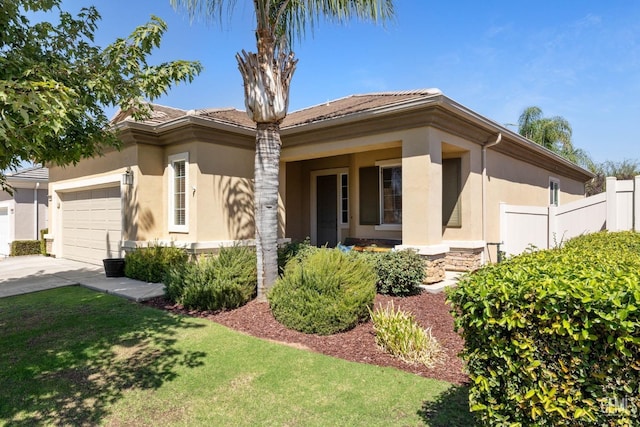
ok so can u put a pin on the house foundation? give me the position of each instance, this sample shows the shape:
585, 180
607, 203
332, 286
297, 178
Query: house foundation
434, 266
464, 259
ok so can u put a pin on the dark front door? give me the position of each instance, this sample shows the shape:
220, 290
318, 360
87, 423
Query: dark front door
327, 210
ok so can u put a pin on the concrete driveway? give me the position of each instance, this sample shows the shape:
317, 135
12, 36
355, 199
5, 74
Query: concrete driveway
25, 274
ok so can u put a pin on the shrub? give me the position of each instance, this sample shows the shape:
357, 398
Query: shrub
398, 333
551, 337
43, 242
25, 247
227, 280
150, 264
323, 293
293, 250
399, 272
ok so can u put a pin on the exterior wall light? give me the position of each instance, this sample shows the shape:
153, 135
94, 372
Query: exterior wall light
127, 177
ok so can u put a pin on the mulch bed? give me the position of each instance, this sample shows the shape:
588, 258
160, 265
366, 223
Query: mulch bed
358, 344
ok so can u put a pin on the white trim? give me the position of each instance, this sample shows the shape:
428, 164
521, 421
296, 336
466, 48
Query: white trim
341, 212
465, 244
103, 181
388, 163
426, 249
388, 227
171, 160
86, 184
313, 203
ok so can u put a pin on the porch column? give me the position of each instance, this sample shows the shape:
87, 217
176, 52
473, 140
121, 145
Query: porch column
422, 200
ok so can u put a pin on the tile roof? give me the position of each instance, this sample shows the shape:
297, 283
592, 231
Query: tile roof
35, 173
354, 104
331, 109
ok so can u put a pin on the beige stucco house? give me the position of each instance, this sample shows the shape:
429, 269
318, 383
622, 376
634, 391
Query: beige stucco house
23, 213
412, 169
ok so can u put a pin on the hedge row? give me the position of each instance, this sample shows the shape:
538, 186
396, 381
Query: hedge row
151, 264
553, 337
25, 247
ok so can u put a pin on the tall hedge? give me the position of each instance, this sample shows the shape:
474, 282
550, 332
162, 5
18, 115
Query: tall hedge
553, 337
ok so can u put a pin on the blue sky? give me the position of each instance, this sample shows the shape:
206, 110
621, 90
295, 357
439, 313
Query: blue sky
579, 59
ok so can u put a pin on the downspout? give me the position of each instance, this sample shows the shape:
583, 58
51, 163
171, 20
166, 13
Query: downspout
484, 188
35, 211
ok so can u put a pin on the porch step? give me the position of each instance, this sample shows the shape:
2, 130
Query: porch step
450, 279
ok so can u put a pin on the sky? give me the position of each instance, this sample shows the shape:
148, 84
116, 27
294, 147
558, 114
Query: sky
579, 59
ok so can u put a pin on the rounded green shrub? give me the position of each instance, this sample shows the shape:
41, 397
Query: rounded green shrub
324, 292
400, 273
292, 250
552, 337
150, 264
225, 281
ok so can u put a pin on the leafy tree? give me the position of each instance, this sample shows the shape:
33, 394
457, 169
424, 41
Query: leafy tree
267, 75
625, 169
55, 82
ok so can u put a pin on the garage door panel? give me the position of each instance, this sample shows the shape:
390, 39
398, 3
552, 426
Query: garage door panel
92, 224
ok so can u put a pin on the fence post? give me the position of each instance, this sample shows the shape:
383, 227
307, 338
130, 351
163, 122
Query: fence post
636, 203
612, 204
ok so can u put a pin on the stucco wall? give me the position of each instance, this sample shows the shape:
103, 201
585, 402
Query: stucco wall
518, 183
26, 215
222, 206
146, 218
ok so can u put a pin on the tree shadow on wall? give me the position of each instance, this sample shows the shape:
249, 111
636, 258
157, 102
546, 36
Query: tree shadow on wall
450, 409
138, 221
237, 196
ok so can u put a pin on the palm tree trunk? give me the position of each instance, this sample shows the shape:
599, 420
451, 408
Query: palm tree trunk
266, 86
266, 173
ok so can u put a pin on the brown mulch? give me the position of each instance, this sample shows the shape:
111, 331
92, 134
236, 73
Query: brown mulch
358, 344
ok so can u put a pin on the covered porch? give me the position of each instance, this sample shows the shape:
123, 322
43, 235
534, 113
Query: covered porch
405, 190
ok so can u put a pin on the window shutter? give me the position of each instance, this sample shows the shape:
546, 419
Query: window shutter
451, 191
369, 195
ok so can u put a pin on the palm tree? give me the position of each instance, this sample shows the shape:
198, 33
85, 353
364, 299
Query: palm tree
553, 133
267, 75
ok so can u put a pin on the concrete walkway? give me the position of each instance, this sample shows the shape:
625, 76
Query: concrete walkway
25, 274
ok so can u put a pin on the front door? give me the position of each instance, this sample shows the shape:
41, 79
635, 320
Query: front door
327, 210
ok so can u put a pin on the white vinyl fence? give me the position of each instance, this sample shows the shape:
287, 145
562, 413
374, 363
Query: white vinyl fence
617, 209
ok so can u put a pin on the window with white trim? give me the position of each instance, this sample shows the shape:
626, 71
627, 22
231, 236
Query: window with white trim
380, 190
554, 191
178, 197
391, 194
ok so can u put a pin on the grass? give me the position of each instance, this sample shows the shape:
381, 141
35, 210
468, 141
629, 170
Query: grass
71, 356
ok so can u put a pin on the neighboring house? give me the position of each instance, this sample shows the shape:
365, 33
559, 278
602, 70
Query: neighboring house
23, 214
415, 169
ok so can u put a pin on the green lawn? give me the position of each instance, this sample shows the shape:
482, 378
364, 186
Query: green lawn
75, 357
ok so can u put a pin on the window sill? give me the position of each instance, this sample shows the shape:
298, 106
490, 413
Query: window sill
388, 227
183, 230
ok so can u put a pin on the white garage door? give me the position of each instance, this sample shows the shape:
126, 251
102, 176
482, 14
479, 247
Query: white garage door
91, 224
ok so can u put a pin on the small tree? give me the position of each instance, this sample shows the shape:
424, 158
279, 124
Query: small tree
55, 83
